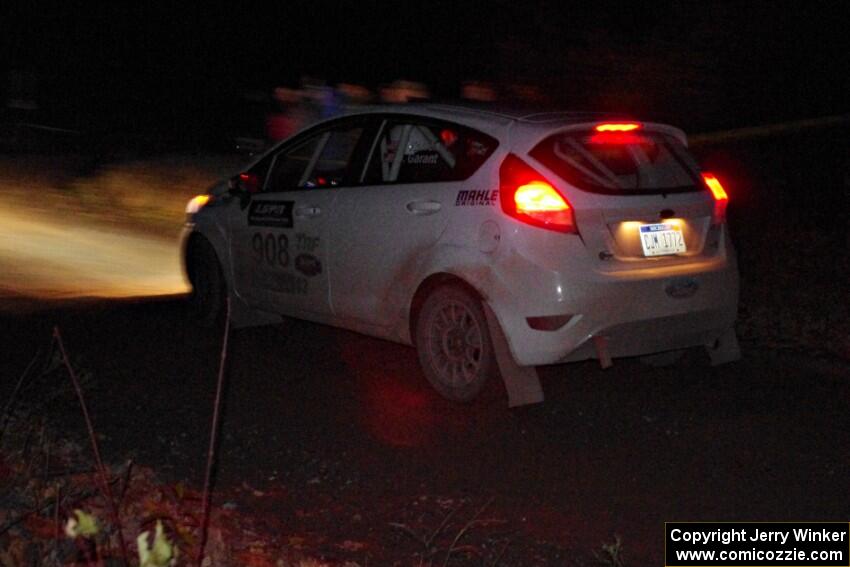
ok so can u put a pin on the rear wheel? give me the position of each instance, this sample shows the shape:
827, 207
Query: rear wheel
453, 343
207, 298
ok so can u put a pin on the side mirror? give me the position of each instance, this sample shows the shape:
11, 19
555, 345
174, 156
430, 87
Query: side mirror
244, 183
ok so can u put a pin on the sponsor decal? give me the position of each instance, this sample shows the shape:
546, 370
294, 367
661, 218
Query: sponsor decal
422, 159
270, 250
308, 265
305, 242
471, 198
271, 280
274, 214
289, 283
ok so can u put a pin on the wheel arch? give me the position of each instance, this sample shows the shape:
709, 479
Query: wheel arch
191, 244
193, 238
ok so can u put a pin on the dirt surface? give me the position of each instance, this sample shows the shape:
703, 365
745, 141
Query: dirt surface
335, 445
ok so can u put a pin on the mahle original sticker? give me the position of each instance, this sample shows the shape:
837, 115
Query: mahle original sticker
471, 198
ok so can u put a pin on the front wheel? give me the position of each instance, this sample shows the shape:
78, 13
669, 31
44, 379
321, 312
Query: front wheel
203, 269
453, 343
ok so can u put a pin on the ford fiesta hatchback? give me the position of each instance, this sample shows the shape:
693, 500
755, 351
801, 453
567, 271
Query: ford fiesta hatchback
575, 236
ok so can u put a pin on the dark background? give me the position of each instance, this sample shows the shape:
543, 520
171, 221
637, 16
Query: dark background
181, 72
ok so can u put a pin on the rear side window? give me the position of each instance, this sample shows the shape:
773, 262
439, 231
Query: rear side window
409, 151
620, 163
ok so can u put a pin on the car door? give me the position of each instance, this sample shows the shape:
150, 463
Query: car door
383, 229
279, 234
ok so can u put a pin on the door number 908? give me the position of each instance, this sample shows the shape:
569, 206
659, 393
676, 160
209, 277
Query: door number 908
270, 250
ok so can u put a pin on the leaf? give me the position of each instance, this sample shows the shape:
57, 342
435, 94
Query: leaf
161, 554
84, 525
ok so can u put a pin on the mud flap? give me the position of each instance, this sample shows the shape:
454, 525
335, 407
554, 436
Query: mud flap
725, 348
521, 382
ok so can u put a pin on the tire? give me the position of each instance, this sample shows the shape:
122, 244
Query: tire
207, 298
453, 343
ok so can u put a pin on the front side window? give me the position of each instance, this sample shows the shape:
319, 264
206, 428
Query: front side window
424, 152
622, 163
332, 162
290, 166
322, 160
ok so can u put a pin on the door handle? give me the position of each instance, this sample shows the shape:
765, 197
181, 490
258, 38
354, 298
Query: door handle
423, 207
308, 211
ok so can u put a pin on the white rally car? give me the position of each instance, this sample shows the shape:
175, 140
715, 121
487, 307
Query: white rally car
580, 237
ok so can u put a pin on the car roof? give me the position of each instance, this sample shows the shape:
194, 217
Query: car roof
492, 117
497, 113
523, 122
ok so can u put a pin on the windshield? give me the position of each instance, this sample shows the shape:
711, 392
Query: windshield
619, 162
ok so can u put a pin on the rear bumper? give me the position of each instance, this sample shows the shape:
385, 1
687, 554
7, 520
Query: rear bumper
656, 335
637, 313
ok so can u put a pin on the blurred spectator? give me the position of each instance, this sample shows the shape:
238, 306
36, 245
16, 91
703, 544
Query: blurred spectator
297, 109
404, 91
280, 123
317, 101
477, 91
350, 95
525, 93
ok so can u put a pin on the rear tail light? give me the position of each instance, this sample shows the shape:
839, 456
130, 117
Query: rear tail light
721, 199
527, 196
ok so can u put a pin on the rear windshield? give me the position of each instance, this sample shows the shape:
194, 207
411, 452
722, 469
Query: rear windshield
619, 162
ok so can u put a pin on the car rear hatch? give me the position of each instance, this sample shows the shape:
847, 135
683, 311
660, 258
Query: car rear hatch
637, 193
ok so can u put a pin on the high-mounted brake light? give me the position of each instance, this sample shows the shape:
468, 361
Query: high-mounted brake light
527, 196
721, 199
622, 133
617, 127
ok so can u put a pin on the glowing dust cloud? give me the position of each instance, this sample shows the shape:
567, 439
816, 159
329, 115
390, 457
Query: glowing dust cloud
45, 257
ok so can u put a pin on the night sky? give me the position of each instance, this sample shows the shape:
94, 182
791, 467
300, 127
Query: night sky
702, 65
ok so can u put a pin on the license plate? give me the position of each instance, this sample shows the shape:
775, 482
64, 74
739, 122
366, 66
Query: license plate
661, 239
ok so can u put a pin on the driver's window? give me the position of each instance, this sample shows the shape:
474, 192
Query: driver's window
331, 165
320, 161
290, 166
